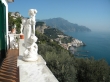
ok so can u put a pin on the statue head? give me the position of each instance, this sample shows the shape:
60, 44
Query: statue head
32, 12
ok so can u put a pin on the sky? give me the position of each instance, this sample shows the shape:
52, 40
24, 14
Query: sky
94, 14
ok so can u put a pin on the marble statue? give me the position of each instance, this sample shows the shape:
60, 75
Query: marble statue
32, 14
30, 53
22, 25
28, 26
28, 29
13, 42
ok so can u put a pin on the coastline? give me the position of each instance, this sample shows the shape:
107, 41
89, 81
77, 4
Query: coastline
97, 43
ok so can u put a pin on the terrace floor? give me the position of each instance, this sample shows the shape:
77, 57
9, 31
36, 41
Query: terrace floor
9, 72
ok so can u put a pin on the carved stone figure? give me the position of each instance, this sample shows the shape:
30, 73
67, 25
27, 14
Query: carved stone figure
32, 14
13, 41
27, 31
30, 53
28, 27
22, 25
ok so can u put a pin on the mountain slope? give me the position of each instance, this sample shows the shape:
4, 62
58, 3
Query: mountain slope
65, 25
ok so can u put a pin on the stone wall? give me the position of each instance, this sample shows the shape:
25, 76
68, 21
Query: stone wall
36, 71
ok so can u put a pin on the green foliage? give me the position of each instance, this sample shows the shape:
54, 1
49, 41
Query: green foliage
61, 65
12, 21
67, 68
59, 62
90, 70
17, 21
58, 59
66, 39
53, 33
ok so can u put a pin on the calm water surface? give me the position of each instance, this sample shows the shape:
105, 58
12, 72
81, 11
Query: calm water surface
98, 44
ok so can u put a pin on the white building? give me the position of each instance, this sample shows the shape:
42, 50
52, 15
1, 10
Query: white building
4, 27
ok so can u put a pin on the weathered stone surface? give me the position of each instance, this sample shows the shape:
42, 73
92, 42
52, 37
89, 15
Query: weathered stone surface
39, 61
36, 73
21, 47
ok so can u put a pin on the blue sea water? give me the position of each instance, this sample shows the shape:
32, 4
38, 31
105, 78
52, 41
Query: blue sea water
97, 43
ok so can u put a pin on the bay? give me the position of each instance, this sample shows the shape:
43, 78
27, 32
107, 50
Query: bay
97, 43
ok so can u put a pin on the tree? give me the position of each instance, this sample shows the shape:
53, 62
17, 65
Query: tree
17, 21
67, 68
12, 21
57, 58
90, 70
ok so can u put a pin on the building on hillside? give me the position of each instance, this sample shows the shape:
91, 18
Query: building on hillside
62, 36
65, 46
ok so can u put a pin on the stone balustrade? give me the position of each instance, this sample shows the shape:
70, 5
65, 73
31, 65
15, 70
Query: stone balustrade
13, 41
36, 71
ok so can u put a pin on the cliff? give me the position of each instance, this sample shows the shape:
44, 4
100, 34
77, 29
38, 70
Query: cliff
54, 34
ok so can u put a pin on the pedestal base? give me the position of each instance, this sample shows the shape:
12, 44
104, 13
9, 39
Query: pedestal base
36, 71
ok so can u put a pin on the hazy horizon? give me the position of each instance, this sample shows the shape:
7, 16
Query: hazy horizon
95, 29
94, 14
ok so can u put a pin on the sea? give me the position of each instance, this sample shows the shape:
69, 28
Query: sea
97, 44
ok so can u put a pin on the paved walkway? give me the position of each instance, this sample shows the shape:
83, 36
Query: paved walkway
9, 71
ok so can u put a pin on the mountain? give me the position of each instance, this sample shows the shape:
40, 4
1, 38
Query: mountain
55, 34
65, 26
52, 33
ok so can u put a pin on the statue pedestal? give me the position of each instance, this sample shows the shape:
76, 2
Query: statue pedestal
30, 59
32, 67
39, 61
35, 71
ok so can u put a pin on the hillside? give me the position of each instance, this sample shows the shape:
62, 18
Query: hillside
65, 25
55, 34
52, 33
68, 68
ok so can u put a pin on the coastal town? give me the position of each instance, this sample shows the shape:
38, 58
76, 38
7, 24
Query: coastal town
54, 42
